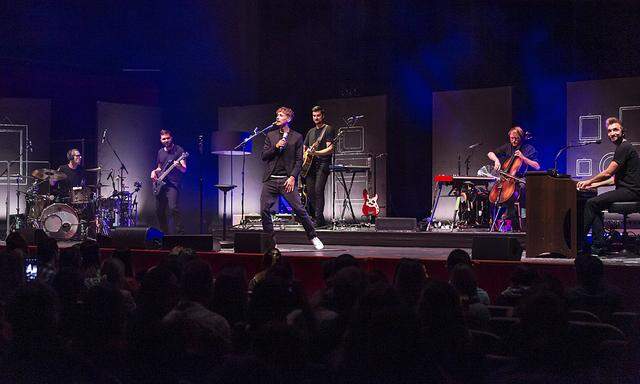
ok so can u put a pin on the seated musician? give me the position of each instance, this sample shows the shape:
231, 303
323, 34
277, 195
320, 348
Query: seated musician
623, 172
515, 148
74, 170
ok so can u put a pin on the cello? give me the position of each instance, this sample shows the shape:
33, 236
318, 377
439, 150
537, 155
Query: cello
506, 186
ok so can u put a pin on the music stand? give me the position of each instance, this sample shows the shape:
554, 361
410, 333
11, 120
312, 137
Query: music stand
224, 188
222, 144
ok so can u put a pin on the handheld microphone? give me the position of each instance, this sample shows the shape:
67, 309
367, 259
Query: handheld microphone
284, 137
104, 135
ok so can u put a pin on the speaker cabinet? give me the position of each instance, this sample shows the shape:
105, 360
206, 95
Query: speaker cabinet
196, 242
496, 248
252, 242
133, 238
396, 224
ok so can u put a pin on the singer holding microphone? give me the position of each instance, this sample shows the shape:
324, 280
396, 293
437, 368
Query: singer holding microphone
623, 172
282, 152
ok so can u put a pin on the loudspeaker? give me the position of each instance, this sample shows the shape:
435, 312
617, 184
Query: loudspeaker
252, 242
195, 242
396, 224
496, 248
133, 238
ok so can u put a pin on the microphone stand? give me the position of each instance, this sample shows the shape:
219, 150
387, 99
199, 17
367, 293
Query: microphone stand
123, 168
242, 146
554, 170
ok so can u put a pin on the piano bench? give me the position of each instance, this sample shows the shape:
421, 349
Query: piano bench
625, 208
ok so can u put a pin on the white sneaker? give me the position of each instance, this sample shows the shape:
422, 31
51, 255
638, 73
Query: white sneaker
317, 243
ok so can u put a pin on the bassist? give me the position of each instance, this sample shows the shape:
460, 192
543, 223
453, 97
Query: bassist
167, 199
318, 143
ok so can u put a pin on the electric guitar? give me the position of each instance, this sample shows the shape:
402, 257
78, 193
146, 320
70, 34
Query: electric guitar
370, 207
159, 184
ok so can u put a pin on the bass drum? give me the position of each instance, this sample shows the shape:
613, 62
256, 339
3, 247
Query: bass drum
60, 221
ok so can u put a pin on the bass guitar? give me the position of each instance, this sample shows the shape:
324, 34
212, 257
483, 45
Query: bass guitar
159, 184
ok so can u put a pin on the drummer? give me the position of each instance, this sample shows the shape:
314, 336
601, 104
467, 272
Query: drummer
76, 175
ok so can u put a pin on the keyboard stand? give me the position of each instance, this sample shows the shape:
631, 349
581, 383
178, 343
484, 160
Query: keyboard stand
346, 202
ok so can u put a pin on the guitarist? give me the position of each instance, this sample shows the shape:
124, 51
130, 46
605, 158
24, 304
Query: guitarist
316, 179
168, 197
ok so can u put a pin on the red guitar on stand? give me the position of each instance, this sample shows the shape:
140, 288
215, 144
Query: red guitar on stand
370, 207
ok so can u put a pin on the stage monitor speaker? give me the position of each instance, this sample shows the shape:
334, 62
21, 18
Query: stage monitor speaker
496, 247
195, 242
251, 242
134, 238
396, 224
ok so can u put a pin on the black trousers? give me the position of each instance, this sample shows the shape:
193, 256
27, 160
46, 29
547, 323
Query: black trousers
316, 181
167, 202
273, 188
593, 216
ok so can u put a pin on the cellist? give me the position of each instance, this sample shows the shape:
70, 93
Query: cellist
515, 148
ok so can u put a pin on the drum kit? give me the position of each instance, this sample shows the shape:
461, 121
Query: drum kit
79, 214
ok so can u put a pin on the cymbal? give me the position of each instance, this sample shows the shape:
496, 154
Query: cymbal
48, 174
96, 169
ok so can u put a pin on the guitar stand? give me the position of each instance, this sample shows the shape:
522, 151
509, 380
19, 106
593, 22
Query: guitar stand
346, 202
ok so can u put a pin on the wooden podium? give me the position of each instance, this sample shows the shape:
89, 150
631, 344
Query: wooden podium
552, 215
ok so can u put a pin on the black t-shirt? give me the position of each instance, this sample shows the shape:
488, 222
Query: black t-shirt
628, 172
313, 135
165, 159
279, 169
507, 150
75, 178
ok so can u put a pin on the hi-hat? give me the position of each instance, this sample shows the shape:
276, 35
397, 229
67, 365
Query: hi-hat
48, 174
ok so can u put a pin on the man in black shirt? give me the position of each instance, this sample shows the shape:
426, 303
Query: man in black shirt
283, 153
168, 198
76, 176
623, 172
316, 179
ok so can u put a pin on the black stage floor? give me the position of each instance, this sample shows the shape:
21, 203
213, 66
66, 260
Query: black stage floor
363, 236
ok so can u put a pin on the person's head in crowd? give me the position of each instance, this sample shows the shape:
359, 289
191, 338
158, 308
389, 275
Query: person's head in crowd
347, 286
524, 276
48, 251
196, 282
457, 256
230, 294
158, 293
70, 258
464, 281
282, 268
12, 274
270, 302
344, 261
544, 326
270, 258
124, 255
33, 312
69, 285
187, 255
90, 251
439, 307
112, 272
589, 272
16, 241
104, 318
409, 279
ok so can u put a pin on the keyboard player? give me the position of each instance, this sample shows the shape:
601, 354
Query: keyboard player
623, 172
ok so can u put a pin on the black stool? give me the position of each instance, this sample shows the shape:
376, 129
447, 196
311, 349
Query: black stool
625, 208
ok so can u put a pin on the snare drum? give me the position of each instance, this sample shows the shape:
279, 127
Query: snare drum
60, 221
